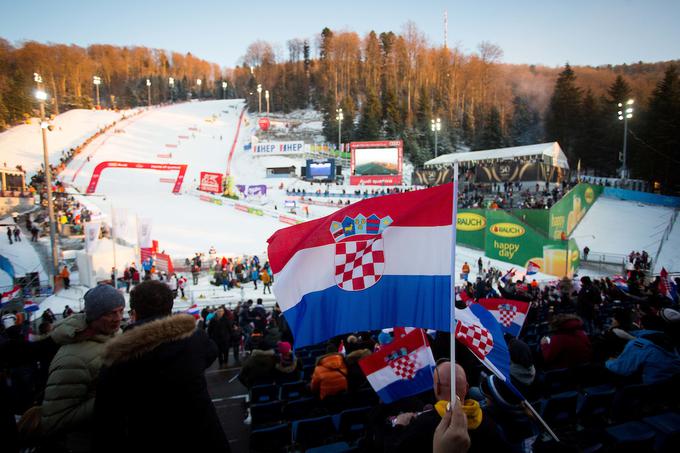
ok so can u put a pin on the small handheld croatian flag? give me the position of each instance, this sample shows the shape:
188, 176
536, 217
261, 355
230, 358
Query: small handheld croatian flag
477, 329
620, 282
509, 313
401, 368
508, 275
532, 268
10, 295
383, 261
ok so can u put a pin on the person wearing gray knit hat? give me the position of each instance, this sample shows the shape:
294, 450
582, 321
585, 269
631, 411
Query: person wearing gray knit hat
100, 300
68, 404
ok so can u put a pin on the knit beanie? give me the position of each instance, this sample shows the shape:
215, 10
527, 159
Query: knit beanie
100, 300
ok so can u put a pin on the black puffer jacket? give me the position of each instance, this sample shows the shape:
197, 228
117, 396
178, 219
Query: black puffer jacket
152, 393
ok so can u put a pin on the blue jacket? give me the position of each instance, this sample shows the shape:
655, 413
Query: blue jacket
642, 355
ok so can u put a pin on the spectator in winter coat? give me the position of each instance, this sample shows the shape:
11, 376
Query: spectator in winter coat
568, 345
266, 281
330, 376
65, 277
68, 406
288, 365
218, 331
356, 378
259, 365
153, 377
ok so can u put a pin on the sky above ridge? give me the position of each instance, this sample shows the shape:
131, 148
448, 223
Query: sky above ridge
550, 32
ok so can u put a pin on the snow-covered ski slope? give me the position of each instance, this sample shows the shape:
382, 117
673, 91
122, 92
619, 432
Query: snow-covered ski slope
616, 227
22, 145
670, 252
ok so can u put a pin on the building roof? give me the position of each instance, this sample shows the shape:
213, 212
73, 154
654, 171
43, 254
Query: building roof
551, 151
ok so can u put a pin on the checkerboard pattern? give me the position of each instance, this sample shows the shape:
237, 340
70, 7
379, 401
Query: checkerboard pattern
507, 315
359, 264
476, 338
405, 367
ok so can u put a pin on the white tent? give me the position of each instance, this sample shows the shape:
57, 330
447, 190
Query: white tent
549, 153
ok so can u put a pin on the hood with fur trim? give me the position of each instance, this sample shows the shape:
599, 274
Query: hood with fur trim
144, 338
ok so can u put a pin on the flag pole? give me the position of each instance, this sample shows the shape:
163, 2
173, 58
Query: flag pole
452, 329
527, 405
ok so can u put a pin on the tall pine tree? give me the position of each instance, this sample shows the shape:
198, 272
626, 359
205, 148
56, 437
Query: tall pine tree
563, 120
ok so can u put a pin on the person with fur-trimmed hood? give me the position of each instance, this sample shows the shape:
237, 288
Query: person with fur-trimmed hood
153, 378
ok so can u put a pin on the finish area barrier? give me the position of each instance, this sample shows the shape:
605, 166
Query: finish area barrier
96, 174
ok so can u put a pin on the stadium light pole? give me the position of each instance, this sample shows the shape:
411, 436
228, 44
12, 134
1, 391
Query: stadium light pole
199, 82
224, 90
259, 99
339, 117
436, 127
97, 81
41, 96
171, 84
148, 91
266, 97
625, 114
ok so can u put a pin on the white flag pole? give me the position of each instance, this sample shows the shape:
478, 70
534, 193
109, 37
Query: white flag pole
454, 212
113, 242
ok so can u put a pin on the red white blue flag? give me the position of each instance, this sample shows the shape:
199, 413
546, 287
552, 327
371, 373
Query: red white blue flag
509, 313
532, 268
380, 262
400, 369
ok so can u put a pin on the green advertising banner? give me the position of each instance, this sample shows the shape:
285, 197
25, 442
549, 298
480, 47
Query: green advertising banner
566, 214
510, 240
537, 218
470, 226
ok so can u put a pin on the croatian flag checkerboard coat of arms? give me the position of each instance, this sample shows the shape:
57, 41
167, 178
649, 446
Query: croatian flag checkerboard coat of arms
508, 313
359, 252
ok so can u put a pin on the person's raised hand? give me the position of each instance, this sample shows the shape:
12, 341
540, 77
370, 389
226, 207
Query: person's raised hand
451, 435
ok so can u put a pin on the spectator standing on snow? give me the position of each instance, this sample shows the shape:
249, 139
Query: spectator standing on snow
66, 277
254, 275
181, 284
465, 271
9, 234
17, 234
266, 281
195, 271
480, 265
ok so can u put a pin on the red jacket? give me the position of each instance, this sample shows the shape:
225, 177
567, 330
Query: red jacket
569, 346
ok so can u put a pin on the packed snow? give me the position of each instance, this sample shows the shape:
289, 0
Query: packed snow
22, 145
615, 228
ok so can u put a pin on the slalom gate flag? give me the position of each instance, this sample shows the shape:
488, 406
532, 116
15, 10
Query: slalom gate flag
400, 369
477, 329
509, 313
91, 236
380, 262
532, 268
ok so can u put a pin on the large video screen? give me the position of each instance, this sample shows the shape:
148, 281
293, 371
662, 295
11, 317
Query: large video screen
320, 169
376, 161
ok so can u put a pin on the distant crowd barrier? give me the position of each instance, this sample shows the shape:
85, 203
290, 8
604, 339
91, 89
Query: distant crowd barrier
642, 197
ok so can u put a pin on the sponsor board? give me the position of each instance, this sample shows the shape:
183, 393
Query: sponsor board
289, 220
167, 180
170, 145
278, 148
507, 230
96, 174
210, 182
240, 207
183, 137
164, 155
469, 221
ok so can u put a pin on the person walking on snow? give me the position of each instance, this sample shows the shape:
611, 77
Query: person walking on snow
17, 234
465, 271
254, 275
9, 235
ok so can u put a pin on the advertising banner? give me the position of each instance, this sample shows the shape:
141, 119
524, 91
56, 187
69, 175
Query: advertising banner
376, 163
91, 236
510, 240
210, 182
144, 232
432, 177
258, 190
470, 226
566, 214
278, 148
512, 170
120, 222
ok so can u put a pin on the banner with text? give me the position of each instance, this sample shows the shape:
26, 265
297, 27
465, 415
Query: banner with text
278, 148
210, 182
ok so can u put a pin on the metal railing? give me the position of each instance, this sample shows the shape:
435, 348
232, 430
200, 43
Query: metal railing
666, 233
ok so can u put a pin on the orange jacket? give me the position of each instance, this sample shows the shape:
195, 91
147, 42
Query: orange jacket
466, 268
65, 273
330, 376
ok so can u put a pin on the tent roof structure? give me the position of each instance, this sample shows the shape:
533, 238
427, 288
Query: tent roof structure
548, 151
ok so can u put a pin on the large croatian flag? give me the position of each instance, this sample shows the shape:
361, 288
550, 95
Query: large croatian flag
400, 369
509, 313
381, 262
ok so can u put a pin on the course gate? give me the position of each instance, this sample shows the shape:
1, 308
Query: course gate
182, 168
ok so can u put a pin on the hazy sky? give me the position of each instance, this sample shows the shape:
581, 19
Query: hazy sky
546, 32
